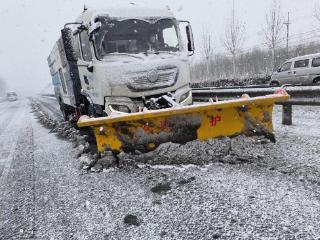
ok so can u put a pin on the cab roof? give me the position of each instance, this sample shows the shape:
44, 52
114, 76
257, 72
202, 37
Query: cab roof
126, 13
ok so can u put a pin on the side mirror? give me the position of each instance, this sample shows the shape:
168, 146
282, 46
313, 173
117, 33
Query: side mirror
80, 29
191, 47
94, 27
279, 69
69, 44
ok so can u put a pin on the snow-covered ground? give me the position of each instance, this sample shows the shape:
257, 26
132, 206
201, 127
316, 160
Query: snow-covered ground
270, 195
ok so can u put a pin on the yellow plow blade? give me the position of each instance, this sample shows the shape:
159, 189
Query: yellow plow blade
144, 131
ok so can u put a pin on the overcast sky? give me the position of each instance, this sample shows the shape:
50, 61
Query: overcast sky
29, 28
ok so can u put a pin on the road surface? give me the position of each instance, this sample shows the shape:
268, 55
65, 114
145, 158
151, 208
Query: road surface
44, 194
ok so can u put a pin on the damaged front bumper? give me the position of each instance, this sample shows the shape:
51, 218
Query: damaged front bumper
183, 96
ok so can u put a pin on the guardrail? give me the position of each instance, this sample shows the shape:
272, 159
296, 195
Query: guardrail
299, 95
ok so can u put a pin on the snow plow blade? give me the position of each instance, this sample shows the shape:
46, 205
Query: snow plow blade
144, 131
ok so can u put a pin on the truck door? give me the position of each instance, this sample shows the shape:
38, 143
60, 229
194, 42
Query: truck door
86, 76
301, 71
63, 76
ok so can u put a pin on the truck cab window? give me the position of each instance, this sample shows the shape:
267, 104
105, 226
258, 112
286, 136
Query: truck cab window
170, 37
62, 80
134, 36
78, 46
85, 46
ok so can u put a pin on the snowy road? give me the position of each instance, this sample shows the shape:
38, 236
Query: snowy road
44, 195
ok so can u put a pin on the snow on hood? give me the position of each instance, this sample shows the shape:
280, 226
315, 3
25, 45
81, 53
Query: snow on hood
120, 72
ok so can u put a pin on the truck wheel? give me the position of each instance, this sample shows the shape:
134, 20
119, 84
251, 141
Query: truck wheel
64, 111
87, 109
316, 81
91, 111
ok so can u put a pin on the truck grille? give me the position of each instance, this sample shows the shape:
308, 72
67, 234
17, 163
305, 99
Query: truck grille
154, 79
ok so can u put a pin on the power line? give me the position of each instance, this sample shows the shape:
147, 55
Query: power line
301, 17
301, 41
298, 35
293, 39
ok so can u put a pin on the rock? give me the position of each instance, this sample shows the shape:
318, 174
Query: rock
85, 167
87, 204
97, 168
161, 188
107, 162
131, 220
216, 235
157, 202
86, 147
186, 181
81, 148
86, 160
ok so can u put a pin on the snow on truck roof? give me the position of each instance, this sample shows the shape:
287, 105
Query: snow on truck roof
304, 57
126, 13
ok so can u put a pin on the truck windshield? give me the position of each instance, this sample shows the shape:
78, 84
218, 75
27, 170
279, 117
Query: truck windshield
135, 36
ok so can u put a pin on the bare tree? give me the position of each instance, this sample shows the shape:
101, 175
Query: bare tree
207, 48
272, 30
2, 86
317, 11
234, 37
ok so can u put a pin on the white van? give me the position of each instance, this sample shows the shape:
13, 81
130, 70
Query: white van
302, 70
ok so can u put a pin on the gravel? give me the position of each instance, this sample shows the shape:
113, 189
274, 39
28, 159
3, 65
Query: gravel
297, 151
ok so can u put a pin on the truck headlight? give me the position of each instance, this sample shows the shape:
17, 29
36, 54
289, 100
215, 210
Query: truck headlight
184, 96
119, 108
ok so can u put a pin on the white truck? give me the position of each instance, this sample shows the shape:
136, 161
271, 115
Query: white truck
121, 60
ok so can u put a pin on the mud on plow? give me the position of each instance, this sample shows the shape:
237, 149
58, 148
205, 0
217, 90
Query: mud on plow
144, 131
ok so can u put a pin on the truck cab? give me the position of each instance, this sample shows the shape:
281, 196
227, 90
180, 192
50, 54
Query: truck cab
119, 60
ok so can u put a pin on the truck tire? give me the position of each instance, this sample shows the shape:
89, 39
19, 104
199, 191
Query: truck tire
316, 81
65, 112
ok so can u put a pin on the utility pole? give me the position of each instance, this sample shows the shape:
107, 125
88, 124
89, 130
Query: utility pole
287, 24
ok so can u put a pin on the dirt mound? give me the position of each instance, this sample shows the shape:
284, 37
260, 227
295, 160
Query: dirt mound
230, 150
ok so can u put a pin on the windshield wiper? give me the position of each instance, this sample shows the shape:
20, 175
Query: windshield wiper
126, 54
169, 52
158, 52
151, 52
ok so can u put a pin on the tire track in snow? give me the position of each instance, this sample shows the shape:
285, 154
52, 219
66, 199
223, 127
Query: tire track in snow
9, 134
17, 180
51, 109
6, 115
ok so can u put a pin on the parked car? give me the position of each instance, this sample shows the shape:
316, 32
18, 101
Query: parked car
12, 96
302, 70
